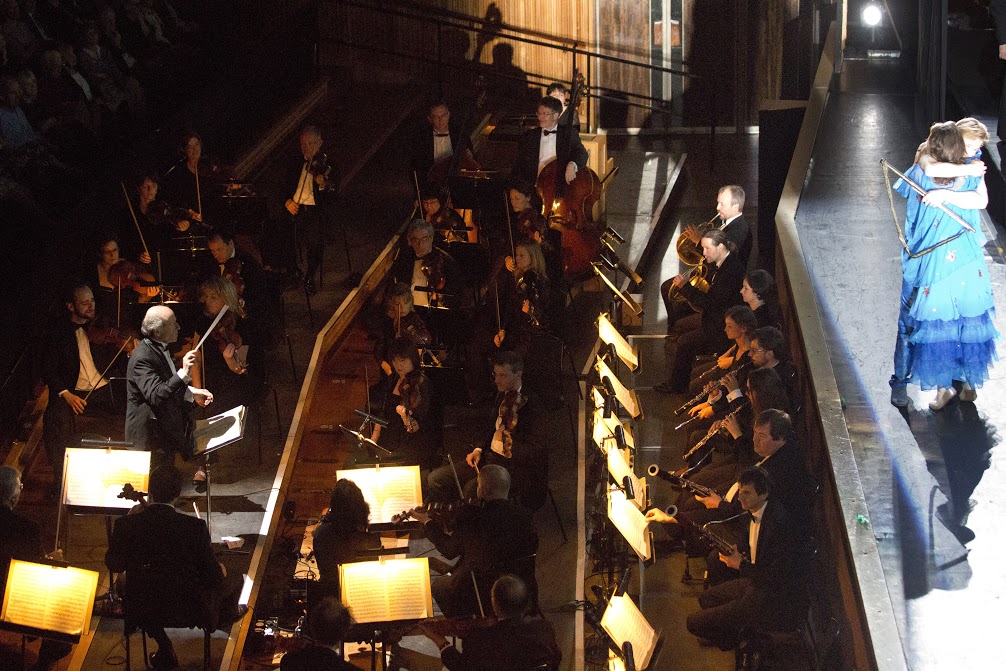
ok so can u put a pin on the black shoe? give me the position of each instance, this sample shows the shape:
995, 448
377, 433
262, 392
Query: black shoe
164, 660
309, 287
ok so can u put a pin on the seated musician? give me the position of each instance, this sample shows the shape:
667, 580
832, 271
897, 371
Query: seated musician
739, 325
489, 539
154, 214
516, 641
421, 264
119, 283
446, 221
21, 538
758, 585
187, 185
415, 418
435, 142
531, 225
170, 567
768, 350
328, 622
540, 146
400, 321
341, 536
702, 332
72, 369
523, 298
239, 267
759, 293
560, 92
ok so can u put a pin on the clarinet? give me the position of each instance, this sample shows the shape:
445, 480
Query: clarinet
678, 481
719, 429
695, 400
722, 545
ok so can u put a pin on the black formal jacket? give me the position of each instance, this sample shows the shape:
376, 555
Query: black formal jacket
168, 561
256, 289
774, 570
739, 233
20, 538
422, 147
157, 415
790, 482
490, 540
61, 366
517, 644
454, 284
287, 188
567, 144
724, 292
998, 9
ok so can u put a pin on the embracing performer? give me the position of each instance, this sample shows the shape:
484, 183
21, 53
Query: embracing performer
945, 328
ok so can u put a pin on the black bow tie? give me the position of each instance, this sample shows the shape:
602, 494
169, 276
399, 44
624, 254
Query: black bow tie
441, 135
546, 133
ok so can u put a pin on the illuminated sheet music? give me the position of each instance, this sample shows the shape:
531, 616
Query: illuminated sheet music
604, 428
623, 622
625, 396
49, 598
387, 591
220, 430
389, 490
94, 477
631, 523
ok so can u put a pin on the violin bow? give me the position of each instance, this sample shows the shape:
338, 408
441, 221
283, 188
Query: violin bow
110, 363
419, 195
199, 197
509, 226
133, 213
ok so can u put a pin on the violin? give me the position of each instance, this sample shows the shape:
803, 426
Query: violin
128, 275
232, 271
226, 336
439, 510
433, 268
126, 339
414, 393
512, 403
412, 326
530, 288
532, 225
319, 166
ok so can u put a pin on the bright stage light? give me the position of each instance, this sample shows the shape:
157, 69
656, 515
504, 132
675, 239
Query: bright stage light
872, 15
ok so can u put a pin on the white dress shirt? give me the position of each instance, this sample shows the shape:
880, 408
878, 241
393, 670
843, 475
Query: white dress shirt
754, 529
546, 149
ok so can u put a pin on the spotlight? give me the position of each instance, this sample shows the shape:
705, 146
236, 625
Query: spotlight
872, 15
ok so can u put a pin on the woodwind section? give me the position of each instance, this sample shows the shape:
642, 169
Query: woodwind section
334, 385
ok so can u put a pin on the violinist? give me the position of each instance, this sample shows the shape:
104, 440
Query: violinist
422, 264
72, 369
445, 220
435, 142
530, 224
400, 321
186, 185
304, 190
524, 299
341, 536
239, 267
414, 430
540, 146
120, 283
515, 641
488, 541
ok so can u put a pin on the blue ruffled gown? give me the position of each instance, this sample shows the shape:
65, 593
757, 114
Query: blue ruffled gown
951, 319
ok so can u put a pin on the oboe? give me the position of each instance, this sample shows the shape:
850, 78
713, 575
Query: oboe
713, 430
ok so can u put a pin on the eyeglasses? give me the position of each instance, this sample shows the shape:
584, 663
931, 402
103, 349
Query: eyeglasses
420, 238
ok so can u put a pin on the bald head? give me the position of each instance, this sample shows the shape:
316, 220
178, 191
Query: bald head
160, 324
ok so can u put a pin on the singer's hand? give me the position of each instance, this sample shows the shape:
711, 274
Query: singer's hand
474, 457
202, 397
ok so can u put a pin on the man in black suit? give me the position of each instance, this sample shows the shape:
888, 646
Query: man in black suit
407, 268
435, 141
229, 261
765, 571
488, 540
171, 571
72, 370
730, 208
539, 147
21, 538
559, 91
327, 625
158, 396
515, 642
521, 449
308, 181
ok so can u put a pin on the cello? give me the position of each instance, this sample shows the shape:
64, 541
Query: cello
571, 206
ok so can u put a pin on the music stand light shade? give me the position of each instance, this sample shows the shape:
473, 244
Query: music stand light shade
624, 395
94, 479
47, 600
625, 298
388, 490
623, 622
609, 335
604, 428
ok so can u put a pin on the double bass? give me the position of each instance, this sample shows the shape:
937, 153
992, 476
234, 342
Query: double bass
571, 206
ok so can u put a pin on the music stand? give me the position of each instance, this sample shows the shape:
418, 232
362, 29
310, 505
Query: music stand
623, 623
609, 335
625, 298
211, 435
363, 441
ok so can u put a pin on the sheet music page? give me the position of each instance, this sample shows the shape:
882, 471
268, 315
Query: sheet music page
220, 430
630, 523
95, 476
389, 490
609, 334
619, 468
386, 591
604, 430
49, 598
623, 622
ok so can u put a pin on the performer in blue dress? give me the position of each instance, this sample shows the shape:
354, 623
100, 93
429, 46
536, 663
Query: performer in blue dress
945, 329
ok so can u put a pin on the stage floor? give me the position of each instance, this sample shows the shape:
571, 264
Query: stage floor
932, 479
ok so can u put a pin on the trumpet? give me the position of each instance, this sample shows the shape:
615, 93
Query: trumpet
689, 252
676, 480
717, 428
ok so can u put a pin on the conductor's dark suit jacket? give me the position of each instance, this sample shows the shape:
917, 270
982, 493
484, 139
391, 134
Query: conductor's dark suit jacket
567, 144
157, 415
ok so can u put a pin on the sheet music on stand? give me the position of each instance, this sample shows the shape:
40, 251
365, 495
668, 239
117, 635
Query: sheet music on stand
388, 590
48, 600
627, 397
631, 523
93, 479
388, 490
623, 622
220, 430
619, 469
610, 335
